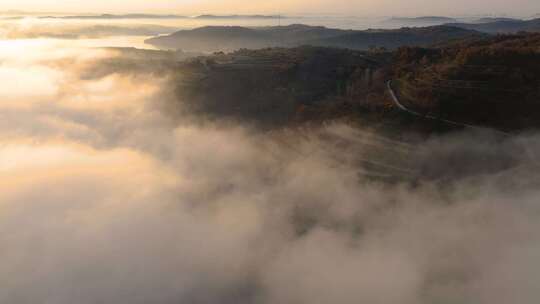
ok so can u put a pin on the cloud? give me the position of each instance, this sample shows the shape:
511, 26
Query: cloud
30, 28
108, 198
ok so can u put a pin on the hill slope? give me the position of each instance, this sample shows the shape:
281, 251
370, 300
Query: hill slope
493, 82
392, 39
216, 38
419, 21
271, 87
502, 26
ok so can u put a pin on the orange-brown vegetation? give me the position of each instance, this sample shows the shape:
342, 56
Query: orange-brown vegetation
493, 82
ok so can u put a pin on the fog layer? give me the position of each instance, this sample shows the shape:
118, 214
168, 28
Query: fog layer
107, 198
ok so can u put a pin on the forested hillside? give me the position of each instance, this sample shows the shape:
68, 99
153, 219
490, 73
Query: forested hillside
492, 82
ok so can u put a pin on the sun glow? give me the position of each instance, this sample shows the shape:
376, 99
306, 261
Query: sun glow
348, 7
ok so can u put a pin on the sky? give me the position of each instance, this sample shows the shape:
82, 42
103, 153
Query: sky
349, 7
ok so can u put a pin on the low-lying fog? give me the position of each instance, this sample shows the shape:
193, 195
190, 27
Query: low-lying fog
108, 198
20, 27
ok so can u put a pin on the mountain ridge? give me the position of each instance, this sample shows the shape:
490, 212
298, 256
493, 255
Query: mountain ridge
502, 26
219, 38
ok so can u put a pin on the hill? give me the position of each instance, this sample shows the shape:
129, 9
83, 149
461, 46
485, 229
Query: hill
277, 86
216, 38
502, 26
238, 17
494, 19
392, 39
418, 21
112, 17
492, 82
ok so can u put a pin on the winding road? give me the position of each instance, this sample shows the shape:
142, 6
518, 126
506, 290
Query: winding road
398, 104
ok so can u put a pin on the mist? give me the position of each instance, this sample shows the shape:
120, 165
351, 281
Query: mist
348, 7
110, 197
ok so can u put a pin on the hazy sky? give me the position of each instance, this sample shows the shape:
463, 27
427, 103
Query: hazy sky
351, 7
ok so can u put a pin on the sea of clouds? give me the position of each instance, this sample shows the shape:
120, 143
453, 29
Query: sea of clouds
107, 197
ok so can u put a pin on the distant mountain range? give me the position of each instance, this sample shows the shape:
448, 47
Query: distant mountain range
502, 26
153, 16
215, 38
238, 17
419, 21
392, 39
91, 31
485, 24
494, 19
111, 16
